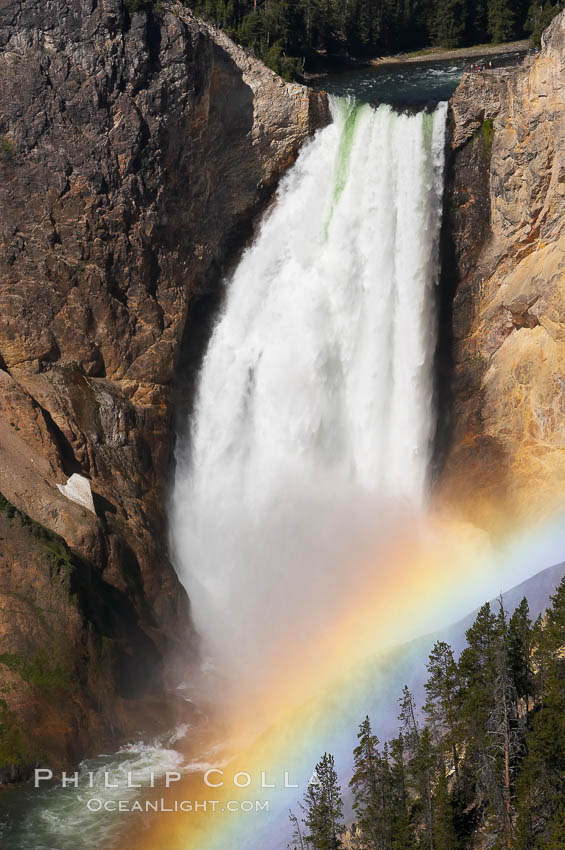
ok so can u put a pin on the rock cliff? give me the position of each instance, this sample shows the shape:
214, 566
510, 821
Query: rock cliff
135, 151
505, 261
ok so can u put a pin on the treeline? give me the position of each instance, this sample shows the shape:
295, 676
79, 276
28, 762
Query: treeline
291, 35
483, 765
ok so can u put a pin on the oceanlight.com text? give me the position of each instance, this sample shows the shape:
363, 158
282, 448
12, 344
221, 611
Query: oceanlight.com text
95, 804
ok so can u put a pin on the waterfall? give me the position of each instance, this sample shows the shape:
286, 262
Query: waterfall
313, 413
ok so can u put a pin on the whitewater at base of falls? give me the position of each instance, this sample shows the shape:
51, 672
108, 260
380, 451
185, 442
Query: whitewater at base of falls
314, 412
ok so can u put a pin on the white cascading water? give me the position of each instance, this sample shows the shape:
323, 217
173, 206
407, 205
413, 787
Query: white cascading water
314, 404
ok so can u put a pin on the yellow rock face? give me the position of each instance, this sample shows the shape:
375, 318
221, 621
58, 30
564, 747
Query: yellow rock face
508, 448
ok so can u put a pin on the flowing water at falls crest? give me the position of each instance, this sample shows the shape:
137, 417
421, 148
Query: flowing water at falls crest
314, 413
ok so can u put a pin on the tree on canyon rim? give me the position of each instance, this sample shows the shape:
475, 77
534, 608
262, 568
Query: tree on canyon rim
323, 810
296, 35
501, 21
369, 785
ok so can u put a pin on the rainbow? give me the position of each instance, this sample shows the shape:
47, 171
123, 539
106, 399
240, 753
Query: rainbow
317, 694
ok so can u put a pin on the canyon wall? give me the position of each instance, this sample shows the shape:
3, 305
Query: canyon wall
135, 152
505, 263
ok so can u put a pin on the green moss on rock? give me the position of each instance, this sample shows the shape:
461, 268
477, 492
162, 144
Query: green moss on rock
6, 147
57, 551
487, 134
38, 671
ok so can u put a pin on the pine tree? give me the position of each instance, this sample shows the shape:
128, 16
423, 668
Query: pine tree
505, 738
401, 828
547, 742
541, 655
445, 833
477, 672
477, 22
423, 767
298, 842
526, 814
448, 22
323, 807
369, 791
443, 701
540, 15
501, 22
556, 830
521, 10
408, 723
520, 652
541, 784
419, 749
556, 620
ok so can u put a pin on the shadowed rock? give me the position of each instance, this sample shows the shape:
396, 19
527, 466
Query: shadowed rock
135, 152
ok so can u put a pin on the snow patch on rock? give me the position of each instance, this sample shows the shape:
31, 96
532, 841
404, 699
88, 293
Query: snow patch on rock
78, 490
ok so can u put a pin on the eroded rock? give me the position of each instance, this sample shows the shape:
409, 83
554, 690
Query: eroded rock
135, 152
506, 208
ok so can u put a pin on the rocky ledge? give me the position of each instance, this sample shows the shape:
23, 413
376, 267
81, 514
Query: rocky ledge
505, 263
135, 152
